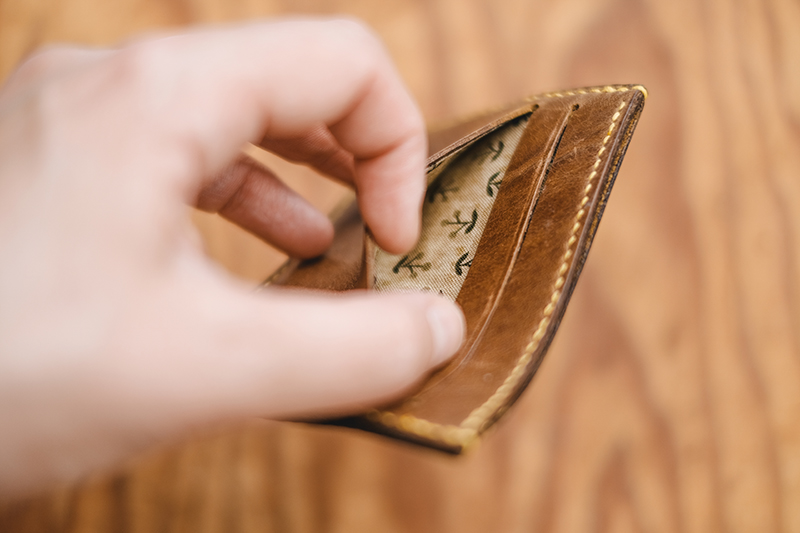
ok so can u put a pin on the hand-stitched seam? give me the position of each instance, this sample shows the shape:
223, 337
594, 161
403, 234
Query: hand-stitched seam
588, 90
444, 124
445, 433
478, 417
469, 429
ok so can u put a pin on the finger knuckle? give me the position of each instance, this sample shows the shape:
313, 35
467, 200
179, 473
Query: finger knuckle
138, 64
361, 37
131, 70
38, 63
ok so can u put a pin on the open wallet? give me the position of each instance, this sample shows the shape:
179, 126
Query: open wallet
513, 202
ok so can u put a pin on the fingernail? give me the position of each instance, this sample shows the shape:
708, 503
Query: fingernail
447, 328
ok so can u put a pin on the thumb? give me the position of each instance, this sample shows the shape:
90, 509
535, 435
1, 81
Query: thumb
286, 353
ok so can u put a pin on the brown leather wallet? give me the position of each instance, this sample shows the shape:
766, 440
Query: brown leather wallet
513, 203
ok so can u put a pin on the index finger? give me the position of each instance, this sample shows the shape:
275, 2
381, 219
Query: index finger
204, 94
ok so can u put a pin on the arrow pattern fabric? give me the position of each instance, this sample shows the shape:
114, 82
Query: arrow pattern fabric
454, 215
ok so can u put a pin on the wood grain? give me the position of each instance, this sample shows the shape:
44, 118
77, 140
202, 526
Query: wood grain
670, 400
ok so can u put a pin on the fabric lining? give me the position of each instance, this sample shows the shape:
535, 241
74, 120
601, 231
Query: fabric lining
460, 196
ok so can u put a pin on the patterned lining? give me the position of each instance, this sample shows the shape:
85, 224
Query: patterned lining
459, 199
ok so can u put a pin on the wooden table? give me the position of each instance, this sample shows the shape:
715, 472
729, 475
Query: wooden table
670, 400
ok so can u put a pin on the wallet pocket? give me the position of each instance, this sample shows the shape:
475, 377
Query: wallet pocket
513, 203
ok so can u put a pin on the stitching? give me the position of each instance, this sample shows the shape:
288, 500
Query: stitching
478, 417
448, 434
467, 432
587, 90
444, 124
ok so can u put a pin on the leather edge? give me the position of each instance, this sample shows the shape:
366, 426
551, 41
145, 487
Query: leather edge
457, 439
582, 247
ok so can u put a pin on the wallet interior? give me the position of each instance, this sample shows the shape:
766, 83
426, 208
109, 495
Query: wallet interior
461, 192
514, 199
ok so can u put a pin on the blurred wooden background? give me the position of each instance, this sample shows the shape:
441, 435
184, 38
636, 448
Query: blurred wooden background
670, 400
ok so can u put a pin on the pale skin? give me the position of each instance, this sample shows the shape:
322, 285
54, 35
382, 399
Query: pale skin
116, 331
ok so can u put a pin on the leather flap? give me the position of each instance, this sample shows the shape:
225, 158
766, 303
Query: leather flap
526, 265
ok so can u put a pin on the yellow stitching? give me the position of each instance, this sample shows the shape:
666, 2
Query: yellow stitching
452, 435
495, 109
579, 91
467, 432
479, 416
605, 89
642, 90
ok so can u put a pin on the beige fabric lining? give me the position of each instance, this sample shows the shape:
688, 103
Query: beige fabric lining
460, 196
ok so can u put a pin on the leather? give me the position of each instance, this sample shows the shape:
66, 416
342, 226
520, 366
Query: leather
527, 263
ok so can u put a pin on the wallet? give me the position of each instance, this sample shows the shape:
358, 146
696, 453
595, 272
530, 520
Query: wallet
513, 202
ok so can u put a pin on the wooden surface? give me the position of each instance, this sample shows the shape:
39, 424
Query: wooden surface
670, 400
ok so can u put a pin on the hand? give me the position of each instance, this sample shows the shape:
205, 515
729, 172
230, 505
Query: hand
115, 330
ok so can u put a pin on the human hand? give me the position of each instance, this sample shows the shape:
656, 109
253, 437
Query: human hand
115, 330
